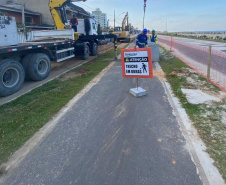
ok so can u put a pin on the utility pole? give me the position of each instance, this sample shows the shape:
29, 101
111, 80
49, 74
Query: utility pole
145, 1
114, 20
23, 17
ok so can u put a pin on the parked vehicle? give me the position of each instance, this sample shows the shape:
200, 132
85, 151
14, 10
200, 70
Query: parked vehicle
32, 59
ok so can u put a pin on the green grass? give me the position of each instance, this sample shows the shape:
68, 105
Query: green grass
23, 117
210, 127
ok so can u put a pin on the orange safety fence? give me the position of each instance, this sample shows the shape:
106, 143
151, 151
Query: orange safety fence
196, 57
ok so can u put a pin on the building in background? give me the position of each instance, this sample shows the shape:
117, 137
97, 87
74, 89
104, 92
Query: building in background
101, 18
3, 2
80, 12
31, 18
37, 12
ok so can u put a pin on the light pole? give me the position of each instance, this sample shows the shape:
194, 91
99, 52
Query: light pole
114, 20
145, 1
23, 17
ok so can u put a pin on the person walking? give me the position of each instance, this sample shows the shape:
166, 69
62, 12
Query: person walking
153, 37
144, 66
74, 22
142, 39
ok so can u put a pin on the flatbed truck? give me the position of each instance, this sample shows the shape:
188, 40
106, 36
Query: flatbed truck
32, 60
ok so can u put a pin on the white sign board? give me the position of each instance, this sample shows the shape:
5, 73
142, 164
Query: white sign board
137, 63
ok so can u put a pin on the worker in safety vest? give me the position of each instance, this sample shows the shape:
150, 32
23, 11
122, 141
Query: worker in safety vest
153, 37
74, 22
142, 39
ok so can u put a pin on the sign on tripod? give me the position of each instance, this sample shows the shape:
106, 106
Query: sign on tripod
137, 63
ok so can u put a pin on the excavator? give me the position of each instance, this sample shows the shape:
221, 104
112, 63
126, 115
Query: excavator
123, 32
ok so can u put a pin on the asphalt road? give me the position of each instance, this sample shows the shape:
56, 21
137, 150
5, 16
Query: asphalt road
217, 46
195, 54
110, 137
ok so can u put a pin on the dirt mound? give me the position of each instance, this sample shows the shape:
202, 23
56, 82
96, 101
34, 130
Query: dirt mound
73, 74
160, 74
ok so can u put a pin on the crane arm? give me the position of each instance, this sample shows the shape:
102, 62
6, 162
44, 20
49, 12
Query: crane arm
58, 12
126, 18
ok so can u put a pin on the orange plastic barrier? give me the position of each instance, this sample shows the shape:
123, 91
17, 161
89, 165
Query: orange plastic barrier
196, 57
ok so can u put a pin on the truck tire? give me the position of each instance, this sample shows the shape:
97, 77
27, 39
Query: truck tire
39, 67
25, 61
94, 50
11, 77
86, 52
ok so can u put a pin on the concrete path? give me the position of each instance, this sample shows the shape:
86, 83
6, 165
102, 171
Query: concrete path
110, 137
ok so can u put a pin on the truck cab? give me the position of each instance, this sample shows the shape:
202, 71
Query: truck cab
87, 26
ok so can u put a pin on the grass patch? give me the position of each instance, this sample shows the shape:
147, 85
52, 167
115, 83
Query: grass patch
206, 118
23, 117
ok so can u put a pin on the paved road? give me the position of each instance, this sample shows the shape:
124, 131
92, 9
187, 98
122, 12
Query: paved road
218, 46
195, 54
110, 137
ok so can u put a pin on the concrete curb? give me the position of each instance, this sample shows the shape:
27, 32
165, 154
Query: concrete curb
208, 173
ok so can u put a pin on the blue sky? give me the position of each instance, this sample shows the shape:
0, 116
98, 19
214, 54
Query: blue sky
180, 15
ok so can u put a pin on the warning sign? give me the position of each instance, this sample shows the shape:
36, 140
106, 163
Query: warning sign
137, 63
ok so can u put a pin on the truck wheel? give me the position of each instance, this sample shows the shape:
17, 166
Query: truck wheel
94, 49
86, 52
39, 67
11, 77
25, 61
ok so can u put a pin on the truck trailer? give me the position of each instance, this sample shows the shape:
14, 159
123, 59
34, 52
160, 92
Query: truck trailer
31, 59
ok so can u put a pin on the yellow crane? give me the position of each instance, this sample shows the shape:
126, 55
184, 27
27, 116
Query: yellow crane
123, 32
57, 10
33, 59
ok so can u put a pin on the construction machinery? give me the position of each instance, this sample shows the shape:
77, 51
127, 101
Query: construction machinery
57, 10
123, 32
31, 59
